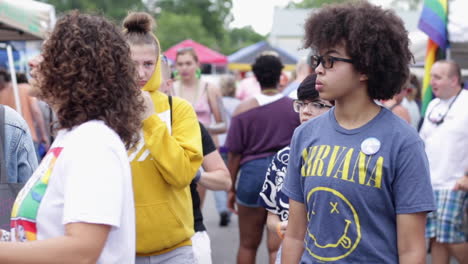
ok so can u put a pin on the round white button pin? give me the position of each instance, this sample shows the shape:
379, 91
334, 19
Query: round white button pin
370, 146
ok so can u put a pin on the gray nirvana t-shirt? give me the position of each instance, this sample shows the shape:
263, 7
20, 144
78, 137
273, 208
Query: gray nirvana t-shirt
353, 184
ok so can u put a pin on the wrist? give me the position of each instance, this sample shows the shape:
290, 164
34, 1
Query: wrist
197, 177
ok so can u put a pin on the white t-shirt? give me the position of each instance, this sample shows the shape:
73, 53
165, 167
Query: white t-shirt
447, 143
413, 110
85, 177
229, 106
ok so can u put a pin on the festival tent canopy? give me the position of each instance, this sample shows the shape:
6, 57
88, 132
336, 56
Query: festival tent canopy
25, 20
205, 54
245, 57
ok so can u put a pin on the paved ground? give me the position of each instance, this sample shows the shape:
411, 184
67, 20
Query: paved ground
225, 240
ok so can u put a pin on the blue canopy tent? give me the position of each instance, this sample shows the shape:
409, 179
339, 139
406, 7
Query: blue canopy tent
4, 57
19, 21
245, 57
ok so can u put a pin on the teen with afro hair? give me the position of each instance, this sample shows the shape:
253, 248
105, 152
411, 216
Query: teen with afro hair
353, 171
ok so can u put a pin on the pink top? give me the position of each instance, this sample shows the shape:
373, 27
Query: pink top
247, 88
202, 107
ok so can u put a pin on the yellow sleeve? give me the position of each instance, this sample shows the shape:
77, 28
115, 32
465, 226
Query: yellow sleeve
177, 157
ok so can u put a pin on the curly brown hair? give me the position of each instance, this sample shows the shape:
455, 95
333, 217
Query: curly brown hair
87, 74
374, 38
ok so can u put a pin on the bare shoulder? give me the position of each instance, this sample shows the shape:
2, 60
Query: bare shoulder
212, 89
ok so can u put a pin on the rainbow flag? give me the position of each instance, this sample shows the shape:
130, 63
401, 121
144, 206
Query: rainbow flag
433, 22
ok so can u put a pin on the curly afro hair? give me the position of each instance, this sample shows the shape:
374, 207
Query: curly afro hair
374, 38
87, 74
267, 69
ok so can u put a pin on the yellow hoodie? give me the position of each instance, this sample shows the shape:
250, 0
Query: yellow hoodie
163, 165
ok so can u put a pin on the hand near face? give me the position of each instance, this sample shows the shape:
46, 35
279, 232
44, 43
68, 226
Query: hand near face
149, 106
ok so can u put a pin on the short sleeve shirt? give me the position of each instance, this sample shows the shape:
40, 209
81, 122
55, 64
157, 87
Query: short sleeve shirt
208, 147
271, 196
353, 183
84, 178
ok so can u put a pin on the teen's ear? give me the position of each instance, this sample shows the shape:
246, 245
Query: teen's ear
363, 77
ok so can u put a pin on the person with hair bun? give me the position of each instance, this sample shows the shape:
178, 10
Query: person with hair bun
78, 205
166, 159
260, 127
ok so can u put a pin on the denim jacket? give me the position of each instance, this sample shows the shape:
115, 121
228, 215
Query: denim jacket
20, 154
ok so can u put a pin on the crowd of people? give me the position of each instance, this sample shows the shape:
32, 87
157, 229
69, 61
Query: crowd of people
116, 147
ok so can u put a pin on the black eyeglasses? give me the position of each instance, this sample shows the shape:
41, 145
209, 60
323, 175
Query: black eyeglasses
316, 105
326, 60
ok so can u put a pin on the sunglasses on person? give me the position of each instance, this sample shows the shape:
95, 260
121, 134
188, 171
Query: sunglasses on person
327, 61
184, 49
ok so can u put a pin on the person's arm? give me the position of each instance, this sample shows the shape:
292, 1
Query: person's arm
26, 158
215, 102
411, 241
24, 161
176, 156
39, 119
233, 167
81, 244
462, 183
293, 243
215, 175
275, 225
401, 112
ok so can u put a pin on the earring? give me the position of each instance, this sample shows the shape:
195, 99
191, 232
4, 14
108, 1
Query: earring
198, 73
176, 75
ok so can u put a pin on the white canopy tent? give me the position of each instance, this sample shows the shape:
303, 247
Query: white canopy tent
23, 20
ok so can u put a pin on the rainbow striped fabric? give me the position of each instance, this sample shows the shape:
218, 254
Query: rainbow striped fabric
433, 22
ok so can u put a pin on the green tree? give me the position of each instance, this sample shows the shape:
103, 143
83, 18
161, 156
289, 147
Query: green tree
215, 15
313, 3
205, 21
116, 10
238, 38
176, 28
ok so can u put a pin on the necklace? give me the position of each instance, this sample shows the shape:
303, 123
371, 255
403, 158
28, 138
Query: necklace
270, 91
440, 120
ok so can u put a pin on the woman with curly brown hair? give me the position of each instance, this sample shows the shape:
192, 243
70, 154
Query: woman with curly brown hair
353, 171
79, 202
165, 161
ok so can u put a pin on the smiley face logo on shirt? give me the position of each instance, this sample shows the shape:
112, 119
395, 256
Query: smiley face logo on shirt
334, 229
